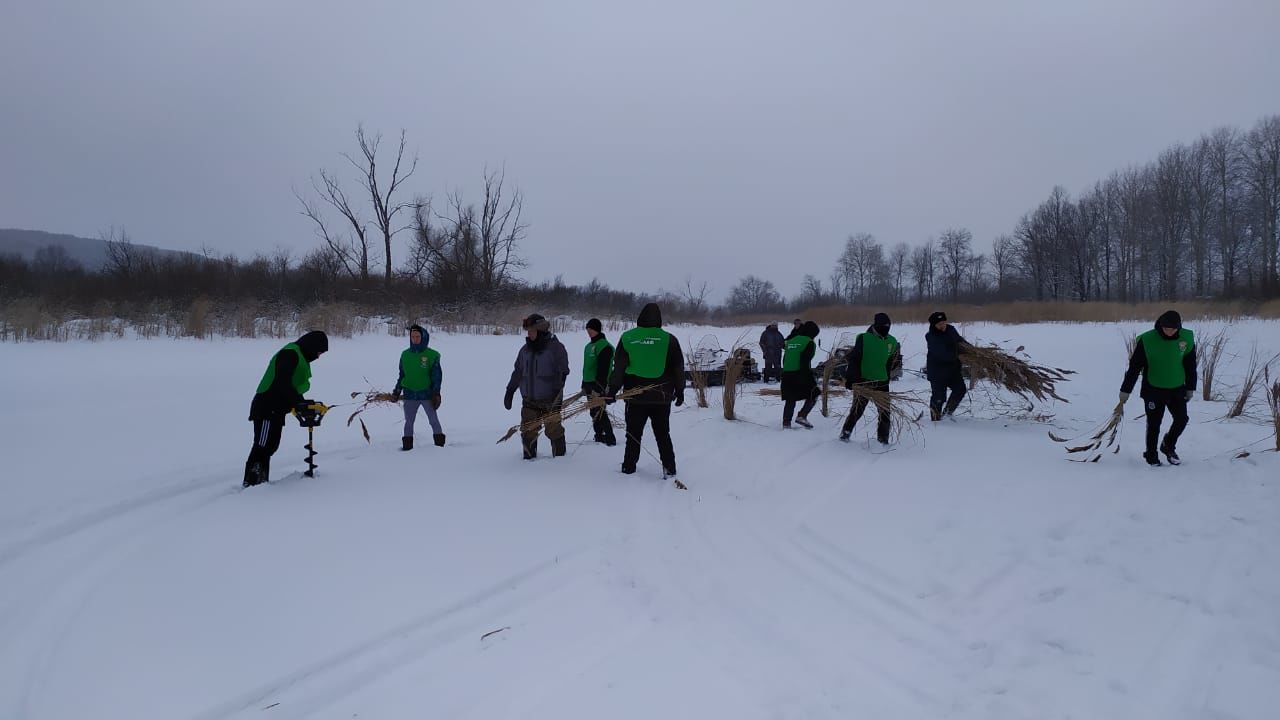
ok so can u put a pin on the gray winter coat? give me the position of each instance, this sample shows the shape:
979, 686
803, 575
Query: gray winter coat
541, 368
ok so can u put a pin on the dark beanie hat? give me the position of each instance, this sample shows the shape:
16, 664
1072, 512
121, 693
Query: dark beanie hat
936, 318
594, 324
882, 320
1170, 319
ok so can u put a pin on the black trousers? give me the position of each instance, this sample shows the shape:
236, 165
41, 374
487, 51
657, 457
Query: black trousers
657, 415
860, 406
789, 407
772, 367
266, 440
938, 398
1175, 401
601, 425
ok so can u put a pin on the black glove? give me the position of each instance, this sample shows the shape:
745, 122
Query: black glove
506, 401
679, 399
395, 395
435, 401
1190, 395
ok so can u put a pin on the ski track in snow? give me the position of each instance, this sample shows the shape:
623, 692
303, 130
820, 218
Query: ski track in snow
971, 573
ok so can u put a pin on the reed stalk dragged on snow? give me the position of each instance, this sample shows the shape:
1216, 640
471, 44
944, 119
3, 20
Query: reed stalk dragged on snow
906, 409
573, 406
1106, 437
372, 397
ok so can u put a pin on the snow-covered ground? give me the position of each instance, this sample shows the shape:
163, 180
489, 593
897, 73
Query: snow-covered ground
971, 573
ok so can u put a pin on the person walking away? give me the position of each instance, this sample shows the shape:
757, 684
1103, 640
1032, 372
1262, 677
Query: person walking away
597, 362
283, 385
648, 356
942, 367
876, 359
798, 383
541, 368
1166, 359
771, 342
419, 385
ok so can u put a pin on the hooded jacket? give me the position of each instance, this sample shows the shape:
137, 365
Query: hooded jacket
800, 384
942, 363
771, 342
281, 396
671, 383
541, 368
1139, 362
416, 352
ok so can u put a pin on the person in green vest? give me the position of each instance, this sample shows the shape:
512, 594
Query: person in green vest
649, 357
419, 385
876, 359
597, 362
1166, 359
798, 383
283, 385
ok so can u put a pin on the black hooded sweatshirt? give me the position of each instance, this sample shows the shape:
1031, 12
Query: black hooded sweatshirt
670, 385
942, 362
1138, 361
281, 397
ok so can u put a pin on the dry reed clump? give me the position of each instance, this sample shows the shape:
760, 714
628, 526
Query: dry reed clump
1273, 404
837, 391
829, 367
734, 366
575, 405
1252, 375
1210, 353
1013, 373
1105, 436
698, 375
372, 397
197, 324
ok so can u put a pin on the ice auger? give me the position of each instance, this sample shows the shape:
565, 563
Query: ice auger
309, 414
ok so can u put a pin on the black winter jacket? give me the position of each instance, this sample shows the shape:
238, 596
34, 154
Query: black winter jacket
942, 363
800, 384
540, 371
280, 398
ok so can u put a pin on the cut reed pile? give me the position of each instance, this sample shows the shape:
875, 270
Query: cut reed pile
573, 406
1016, 374
906, 409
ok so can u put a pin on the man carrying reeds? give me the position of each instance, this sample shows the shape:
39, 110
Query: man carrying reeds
1166, 358
419, 384
541, 368
597, 361
771, 342
798, 383
942, 367
648, 356
875, 359
283, 385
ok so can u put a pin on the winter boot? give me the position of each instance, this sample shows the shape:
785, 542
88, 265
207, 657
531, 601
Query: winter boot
406, 442
1170, 452
558, 447
610, 441
439, 439
844, 435
1151, 458
628, 469
803, 422
669, 472
935, 414
786, 425
255, 473
531, 450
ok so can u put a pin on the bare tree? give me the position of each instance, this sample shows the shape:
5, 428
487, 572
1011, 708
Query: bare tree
500, 232
351, 250
955, 246
694, 296
899, 258
754, 295
922, 270
382, 196
1003, 256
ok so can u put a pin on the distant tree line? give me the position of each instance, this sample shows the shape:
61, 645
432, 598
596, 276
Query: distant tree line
1200, 221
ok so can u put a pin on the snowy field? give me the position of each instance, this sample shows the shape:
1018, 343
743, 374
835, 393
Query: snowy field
972, 572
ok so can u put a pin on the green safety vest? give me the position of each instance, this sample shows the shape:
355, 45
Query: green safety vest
1164, 358
876, 352
792, 351
591, 358
646, 351
417, 367
301, 374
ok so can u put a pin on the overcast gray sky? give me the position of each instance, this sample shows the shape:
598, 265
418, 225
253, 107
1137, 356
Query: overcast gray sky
652, 140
